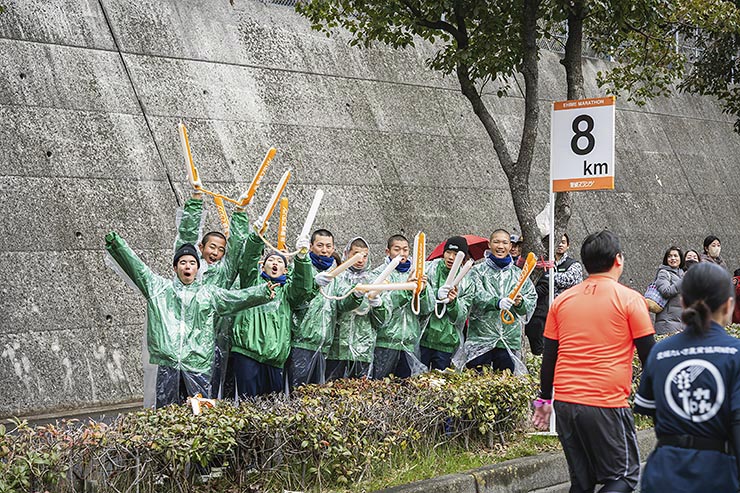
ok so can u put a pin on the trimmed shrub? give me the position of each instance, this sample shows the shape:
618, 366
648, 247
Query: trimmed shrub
321, 437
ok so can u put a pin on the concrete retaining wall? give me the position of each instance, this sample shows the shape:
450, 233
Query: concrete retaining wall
90, 94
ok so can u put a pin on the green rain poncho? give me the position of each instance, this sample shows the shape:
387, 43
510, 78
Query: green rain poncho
354, 333
486, 331
263, 332
444, 334
402, 331
222, 273
314, 321
180, 318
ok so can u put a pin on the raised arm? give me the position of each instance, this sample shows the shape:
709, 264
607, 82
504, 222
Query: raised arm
188, 230
235, 246
129, 265
300, 285
249, 269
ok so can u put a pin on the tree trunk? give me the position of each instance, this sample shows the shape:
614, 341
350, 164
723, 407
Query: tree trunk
573, 63
517, 172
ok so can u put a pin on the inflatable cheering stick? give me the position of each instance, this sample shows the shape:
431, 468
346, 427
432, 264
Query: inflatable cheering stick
506, 316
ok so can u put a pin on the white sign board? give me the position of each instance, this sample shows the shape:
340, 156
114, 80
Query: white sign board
582, 145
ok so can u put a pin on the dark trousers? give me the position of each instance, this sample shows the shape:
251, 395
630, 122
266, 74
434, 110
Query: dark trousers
498, 359
254, 378
174, 386
600, 446
435, 360
304, 367
534, 330
390, 362
336, 369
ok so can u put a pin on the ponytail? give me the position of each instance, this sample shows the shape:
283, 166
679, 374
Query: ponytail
697, 318
704, 289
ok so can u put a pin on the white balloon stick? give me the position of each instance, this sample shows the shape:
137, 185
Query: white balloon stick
455, 267
312, 213
392, 286
345, 265
465, 269
385, 273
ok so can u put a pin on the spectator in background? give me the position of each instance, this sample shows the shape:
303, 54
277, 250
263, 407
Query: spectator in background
668, 284
568, 271
712, 249
691, 257
516, 250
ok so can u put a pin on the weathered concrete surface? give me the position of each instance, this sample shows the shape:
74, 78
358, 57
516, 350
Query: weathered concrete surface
90, 94
540, 473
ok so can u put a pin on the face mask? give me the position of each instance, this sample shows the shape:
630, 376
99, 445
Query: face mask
689, 263
714, 251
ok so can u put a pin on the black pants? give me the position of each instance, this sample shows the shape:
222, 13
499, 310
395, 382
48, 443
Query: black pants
305, 366
336, 369
254, 378
435, 360
498, 359
600, 446
534, 330
174, 386
390, 362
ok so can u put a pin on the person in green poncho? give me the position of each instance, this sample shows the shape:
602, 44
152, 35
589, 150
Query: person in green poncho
490, 341
396, 345
261, 335
441, 336
315, 318
351, 351
221, 259
181, 316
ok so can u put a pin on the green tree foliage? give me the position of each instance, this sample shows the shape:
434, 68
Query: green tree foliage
690, 46
480, 41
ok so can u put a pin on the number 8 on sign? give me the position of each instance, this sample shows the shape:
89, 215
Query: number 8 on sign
591, 142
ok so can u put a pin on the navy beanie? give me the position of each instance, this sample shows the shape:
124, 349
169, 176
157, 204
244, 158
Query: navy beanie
186, 249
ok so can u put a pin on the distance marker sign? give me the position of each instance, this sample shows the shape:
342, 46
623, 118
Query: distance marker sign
582, 145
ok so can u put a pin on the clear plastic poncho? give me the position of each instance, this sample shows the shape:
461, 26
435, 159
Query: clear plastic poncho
355, 330
402, 332
486, 330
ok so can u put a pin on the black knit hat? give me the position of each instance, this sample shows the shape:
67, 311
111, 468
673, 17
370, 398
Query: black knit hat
186, 249
457, 244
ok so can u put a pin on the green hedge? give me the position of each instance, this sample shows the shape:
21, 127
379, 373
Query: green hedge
322, 437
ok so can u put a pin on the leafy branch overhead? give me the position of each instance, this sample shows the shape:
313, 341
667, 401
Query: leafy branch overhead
685, 45
483, 36
478, 41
